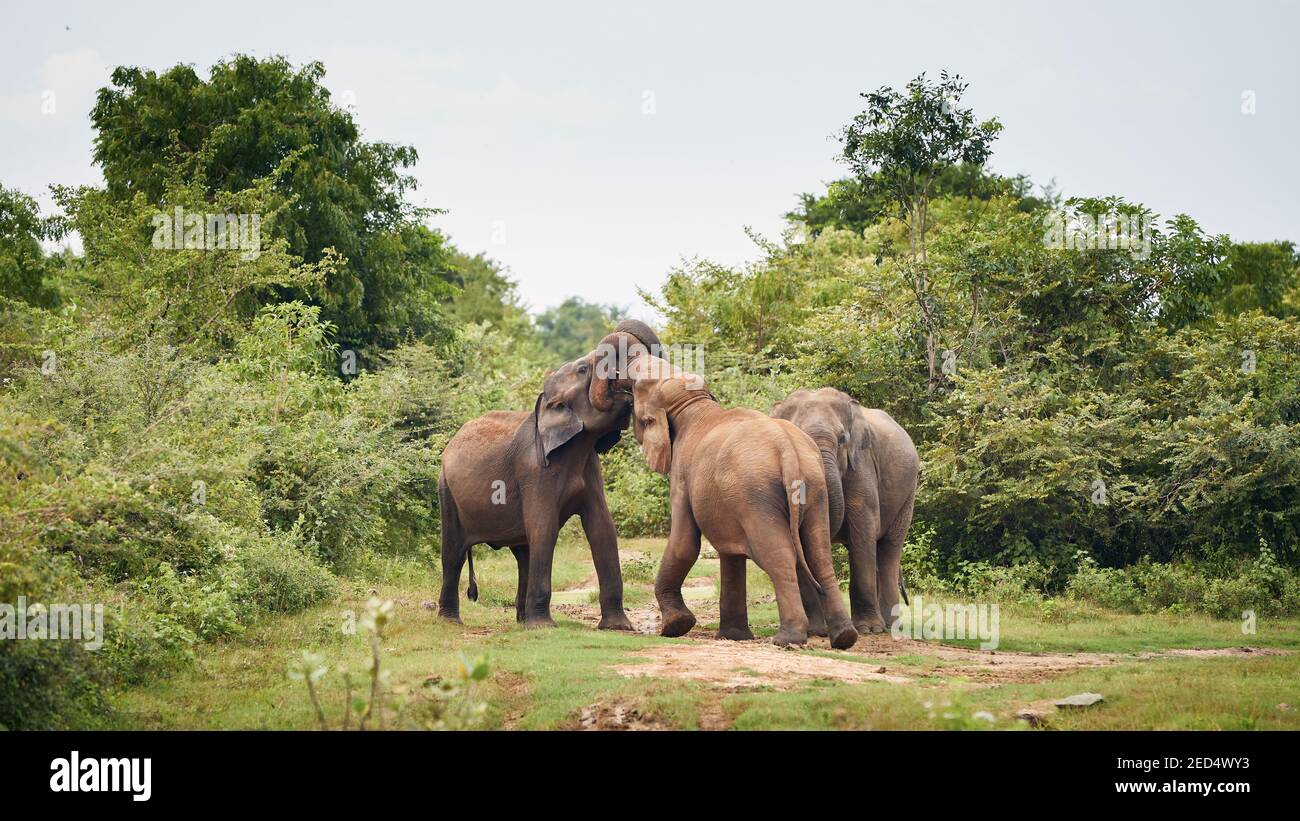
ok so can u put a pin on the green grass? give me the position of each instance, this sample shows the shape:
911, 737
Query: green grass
543, 679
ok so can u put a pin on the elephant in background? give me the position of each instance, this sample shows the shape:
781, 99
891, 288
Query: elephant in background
751, 484
871, 469
513, 478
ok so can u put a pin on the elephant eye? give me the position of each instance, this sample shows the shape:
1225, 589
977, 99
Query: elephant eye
582, 369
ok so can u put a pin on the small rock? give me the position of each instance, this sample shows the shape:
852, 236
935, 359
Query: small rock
880, 669
1080, 700
429, 604
1031, 717
1284, 706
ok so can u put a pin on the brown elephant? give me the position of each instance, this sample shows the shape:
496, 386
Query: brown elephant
871, 469
513, 478
751, 484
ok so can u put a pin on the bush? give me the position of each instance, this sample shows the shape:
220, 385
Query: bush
1107, 586
206, 607
49, 685
1021, 583
637, 496
1259, 584
278, 578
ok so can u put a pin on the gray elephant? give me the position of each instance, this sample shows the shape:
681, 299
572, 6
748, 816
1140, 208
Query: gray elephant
871, 469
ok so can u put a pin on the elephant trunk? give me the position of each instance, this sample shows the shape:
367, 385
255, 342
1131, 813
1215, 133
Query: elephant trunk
628, 338
825, 442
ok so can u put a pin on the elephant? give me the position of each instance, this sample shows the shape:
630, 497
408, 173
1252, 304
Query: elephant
750, 484
513, 478
871, 469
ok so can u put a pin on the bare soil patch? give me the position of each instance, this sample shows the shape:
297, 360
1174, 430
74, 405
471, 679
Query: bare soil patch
731, 665
740, 665
748, 665
615, 715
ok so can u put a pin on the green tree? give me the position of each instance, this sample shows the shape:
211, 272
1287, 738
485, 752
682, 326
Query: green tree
573, 327
244, 121
851, 204
904, 141
487, 294
1260, 276
898, 147
25, 270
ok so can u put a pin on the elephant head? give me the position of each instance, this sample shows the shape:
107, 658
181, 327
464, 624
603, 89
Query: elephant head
661, 391
834, 421
578, 398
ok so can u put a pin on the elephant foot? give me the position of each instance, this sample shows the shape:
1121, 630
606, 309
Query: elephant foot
817, 629
677, 623
787, 636
865, 626
733, 633
617, 621
453, 618
539, 623
843, 636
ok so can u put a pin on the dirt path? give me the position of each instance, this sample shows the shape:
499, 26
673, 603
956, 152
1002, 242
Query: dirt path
735, 666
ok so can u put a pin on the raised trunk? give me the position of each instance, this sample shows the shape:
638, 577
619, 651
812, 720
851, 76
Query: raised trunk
611, 360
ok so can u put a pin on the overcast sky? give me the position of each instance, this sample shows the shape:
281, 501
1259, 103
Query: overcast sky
591, 147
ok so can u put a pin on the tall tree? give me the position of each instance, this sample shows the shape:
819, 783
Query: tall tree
573, 327
239, 125
24, 267
899, 146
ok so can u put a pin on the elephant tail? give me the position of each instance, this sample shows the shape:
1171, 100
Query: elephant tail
471, 592
795, 494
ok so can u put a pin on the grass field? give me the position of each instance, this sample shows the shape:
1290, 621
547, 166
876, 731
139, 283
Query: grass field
1155, 671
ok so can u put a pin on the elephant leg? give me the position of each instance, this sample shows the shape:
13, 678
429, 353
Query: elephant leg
453, 559
863, 587
812, 607
816, 539
889, 554
678, 559
521, 591
732, 600
772, 547
542, 532
454, 551
603, 539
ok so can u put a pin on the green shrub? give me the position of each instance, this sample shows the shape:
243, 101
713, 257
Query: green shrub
204, 606
145, 646
1105, 586
1260, 585
919, 562
637, 496
278, 578
639, 569
49, 685
1021, 583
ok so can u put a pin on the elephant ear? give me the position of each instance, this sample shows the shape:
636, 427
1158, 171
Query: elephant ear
859, 434
554, 423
